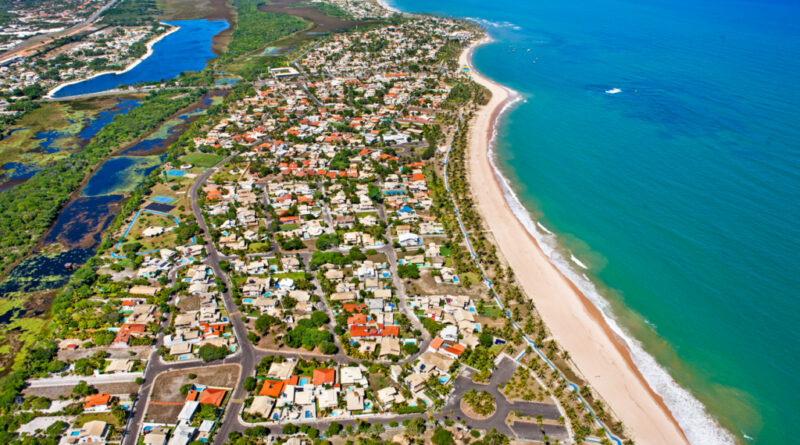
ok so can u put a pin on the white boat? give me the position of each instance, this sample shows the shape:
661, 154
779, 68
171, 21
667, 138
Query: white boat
613, 91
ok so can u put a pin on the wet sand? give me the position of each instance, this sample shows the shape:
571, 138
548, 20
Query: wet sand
574, 322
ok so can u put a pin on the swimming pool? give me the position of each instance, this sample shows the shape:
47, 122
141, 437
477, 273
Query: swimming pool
303, 381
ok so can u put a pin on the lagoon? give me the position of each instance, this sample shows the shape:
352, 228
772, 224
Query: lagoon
187, 49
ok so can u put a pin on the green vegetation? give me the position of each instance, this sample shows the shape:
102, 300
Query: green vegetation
308, 335
408, 271
209, 352
327, 240
255, 28
26, 211
481, 402
335, 257
333, 10
464, 92
131, 13
201, 159
442, 437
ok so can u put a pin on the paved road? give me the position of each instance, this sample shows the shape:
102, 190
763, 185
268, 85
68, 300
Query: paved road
44, 39
244, 355
500, 376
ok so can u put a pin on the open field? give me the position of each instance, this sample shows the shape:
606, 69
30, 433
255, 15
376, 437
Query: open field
54, 392
166, 400
167, 386
201, 159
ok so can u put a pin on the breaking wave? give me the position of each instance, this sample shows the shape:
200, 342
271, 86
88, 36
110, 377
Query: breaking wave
699, 427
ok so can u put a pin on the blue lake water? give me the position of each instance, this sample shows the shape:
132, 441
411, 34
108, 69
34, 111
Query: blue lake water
105, 117
120, 175
187, 49
43, 271
83, 217
680, 193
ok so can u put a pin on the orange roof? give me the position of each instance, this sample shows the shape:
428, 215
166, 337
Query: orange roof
360, 331
323, 376
351, 307
292, 380
133, 328
456, 349
212, 396
272, 388
391, 331
418, 177
357, 319
96, 400
193, 395
436, 343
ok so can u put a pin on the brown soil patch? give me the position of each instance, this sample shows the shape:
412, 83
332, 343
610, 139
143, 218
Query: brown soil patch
54, 392
427, 285
160, 413
167, 386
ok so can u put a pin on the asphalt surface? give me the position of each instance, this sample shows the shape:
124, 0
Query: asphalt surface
500, 376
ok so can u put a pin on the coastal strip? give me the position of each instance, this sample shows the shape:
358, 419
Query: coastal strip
133, 65
574, 321
385, 5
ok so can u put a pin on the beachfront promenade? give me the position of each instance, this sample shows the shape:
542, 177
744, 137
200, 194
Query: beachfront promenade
507, 313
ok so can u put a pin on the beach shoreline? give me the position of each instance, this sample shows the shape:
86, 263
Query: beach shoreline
391, 8
50, 94
575, 322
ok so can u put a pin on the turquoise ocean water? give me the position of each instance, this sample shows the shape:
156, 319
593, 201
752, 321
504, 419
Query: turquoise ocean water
673, 203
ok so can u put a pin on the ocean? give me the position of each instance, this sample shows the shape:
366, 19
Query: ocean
658, 142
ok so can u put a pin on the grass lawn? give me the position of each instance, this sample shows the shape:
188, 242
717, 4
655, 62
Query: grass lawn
201, 159
293, 275
491, 310
85, 418
259, 247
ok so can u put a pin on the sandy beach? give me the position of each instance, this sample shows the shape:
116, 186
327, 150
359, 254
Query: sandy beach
575, 323
133, 65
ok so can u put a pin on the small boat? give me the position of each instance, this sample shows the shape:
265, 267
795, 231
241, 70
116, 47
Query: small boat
613, 91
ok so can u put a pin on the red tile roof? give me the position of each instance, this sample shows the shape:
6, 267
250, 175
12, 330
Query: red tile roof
272, 388
323, 376
96, 400
212, 396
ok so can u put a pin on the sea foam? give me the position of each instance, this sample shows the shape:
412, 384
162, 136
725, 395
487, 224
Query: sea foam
698, 426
